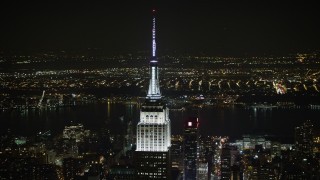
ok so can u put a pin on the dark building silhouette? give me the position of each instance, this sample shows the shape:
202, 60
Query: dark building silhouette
225, 163
122, 172
304, 139
72, 167
191, 139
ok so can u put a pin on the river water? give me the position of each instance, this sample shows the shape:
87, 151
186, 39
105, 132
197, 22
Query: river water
230, 121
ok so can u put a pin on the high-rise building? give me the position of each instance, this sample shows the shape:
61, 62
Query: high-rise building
202, 170
121, 172
76, 132
225, 163
191, 136
205, 160
177, 152
304, 139
153, 129
72, 167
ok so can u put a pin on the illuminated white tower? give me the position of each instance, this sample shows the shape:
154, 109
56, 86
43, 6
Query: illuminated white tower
154, 88
153, 129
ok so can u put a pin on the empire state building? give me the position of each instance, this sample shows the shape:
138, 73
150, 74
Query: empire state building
153, 129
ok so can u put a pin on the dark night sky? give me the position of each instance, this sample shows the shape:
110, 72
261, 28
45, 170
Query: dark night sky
220, 28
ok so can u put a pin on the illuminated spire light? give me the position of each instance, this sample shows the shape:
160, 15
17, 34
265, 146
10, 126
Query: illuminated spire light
154, 87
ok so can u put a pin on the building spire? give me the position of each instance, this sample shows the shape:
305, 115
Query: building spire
154, 87
154, 45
